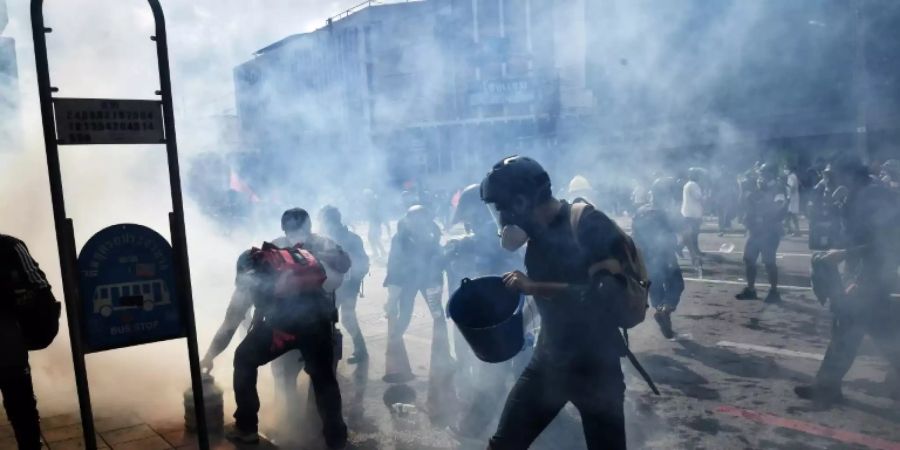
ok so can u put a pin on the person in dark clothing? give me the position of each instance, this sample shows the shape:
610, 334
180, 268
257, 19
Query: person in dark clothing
657, 238
861, 304
351, 288
376, 221
415, 266
19, 272
577, 356
481, 385
271, 336
766, 209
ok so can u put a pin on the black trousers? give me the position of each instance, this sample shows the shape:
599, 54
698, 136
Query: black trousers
847, 332
21, 406
666, 280
542, 392
262, 345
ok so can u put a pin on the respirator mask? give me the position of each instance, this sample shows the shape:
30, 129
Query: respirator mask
512, 236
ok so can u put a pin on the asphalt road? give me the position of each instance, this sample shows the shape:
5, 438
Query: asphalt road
727, 379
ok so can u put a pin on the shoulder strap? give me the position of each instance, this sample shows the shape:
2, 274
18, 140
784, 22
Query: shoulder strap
576, 210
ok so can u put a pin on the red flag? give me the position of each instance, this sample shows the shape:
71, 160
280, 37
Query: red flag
237, 184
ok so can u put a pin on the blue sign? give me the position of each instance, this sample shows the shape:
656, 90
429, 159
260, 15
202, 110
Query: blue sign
128, 291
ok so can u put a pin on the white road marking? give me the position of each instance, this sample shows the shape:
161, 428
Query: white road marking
740, 283
778, 255
772, 350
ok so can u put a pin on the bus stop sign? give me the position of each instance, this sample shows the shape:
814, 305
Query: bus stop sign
128, 291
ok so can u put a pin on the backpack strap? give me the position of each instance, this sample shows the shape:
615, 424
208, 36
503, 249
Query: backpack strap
613, 266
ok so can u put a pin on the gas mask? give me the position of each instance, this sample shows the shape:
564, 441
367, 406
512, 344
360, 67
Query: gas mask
512, 224
512, 237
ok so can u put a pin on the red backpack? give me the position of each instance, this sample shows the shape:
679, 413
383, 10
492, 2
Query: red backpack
294, 270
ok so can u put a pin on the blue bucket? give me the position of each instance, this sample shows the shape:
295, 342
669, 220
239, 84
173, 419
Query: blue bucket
489, 316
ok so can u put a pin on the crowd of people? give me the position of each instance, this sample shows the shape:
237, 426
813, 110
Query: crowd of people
583, 276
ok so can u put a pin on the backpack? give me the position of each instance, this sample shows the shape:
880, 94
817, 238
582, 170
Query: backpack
38, 314
292, 271
636, 299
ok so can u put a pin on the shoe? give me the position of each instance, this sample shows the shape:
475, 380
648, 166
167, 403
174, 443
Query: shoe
819, 394
664, 319
238, 436
358, 358
747, 294
773, 297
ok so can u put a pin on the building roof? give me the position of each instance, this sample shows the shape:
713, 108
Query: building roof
366, 11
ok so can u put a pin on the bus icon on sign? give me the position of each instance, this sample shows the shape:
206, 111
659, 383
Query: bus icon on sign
144, 295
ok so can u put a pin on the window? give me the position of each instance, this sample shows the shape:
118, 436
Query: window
104, 293
146, 288
115, 295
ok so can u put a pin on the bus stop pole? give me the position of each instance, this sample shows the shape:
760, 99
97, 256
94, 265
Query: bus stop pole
65, 236
176, 219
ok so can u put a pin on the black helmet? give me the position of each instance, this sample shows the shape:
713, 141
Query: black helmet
330, 215
515, 176
469, 207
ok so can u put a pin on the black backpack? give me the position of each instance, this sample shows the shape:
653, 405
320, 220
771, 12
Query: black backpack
38, 314
26, 295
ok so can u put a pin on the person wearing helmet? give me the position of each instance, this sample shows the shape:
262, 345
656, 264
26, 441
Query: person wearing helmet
415, 266
861, 304
480, 386
577, 355
766, 209
657, 238
349, 291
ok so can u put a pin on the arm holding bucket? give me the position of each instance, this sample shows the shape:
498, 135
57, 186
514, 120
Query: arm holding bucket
520, 282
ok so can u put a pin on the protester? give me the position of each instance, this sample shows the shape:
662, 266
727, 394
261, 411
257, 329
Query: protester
349, 291
288, 326
861, 305
657, 238
482, 386
792, 221
414, 267
692, 210
578, 350
376, 223
21, 281
766, 208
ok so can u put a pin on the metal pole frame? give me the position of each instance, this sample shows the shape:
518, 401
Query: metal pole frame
65, 236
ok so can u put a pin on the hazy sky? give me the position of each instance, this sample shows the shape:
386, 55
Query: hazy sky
101, 47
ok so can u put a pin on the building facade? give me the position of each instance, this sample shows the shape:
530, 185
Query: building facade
440, 89
10, 123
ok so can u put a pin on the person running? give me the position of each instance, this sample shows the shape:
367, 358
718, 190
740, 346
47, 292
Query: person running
657, 238
577, 356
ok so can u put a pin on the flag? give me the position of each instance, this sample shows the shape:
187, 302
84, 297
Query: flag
235, 183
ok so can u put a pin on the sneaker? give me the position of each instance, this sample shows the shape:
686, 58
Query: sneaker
357, 358
664, 319
819, 394
747, 294
238, 436
773, 297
